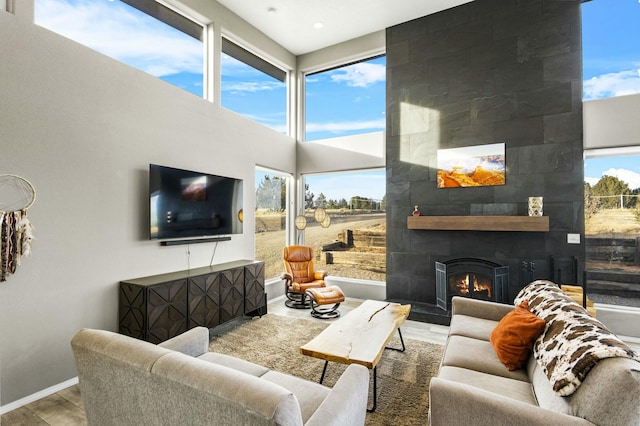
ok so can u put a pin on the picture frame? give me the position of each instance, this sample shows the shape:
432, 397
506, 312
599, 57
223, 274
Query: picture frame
471, 166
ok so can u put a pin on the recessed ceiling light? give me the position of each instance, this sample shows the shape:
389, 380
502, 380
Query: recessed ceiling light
318, 25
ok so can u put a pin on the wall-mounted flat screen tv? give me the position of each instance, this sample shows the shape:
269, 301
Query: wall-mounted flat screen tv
188, 204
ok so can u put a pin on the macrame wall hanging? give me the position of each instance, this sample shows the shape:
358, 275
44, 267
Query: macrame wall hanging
16, 232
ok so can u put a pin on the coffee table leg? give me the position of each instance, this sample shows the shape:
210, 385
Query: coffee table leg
401, 341
375, 390
324, 370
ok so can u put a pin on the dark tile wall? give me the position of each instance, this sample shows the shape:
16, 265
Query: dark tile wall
489, 71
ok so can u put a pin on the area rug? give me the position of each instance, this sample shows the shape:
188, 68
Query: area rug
403, 377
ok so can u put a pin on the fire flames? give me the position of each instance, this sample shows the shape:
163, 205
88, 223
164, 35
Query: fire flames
461, 283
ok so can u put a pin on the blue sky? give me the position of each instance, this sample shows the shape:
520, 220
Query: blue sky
342, 101
611, 50
611, 67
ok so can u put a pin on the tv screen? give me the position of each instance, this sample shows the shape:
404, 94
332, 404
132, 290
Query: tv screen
187, 204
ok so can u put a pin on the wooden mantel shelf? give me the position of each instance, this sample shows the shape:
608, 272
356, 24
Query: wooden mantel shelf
480, 223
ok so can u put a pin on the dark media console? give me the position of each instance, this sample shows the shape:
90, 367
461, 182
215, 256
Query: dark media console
160, 307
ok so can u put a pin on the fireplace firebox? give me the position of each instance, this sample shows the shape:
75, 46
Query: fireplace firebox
471, 277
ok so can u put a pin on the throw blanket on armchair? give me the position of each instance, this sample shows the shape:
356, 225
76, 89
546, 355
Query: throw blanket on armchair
572, 341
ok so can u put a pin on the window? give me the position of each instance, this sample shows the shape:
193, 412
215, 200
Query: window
354, 242
253, 87
346, 101
271, 219
612, 226
143, 34
612, 176
610, 50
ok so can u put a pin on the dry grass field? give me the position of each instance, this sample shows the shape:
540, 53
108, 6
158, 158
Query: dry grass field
270, 242
613, 223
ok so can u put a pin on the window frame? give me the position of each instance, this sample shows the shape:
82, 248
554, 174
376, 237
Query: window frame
242, 52
171, 17
302, 89
288, 178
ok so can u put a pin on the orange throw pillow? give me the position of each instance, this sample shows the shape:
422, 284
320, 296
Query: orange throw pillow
513, 337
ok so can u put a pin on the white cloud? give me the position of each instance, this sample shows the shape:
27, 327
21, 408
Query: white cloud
346, 126
251, 86
117, 31
631, 178
362, 74
612, 84
591, 180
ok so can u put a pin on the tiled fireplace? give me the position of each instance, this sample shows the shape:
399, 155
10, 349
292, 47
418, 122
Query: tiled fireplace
484, 72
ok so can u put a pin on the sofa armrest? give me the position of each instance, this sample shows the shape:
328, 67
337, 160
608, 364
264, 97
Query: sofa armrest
194, 342
452, 403
479, 308
346, 404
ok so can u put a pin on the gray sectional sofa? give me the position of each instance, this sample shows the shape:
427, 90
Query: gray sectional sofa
474, 388
125, 381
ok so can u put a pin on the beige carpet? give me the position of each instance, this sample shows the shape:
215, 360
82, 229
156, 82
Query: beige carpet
403, 377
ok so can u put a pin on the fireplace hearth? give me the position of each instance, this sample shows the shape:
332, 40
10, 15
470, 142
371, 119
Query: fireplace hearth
471, 277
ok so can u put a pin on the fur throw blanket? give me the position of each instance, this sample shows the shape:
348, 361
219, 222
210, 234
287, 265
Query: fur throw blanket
573, 341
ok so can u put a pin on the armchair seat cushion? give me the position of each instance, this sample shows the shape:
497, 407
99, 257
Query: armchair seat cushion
303, 287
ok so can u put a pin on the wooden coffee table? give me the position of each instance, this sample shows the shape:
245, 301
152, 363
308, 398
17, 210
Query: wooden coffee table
360, 337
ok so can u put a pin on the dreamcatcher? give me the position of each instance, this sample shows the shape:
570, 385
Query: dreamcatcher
16, 232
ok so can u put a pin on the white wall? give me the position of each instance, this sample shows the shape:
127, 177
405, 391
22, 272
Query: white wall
83, 129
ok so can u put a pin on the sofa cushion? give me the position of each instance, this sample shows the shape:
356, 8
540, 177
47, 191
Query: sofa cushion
515, 389
478, 355
309, 394
514, 335
235, 363
545, 395
478, 328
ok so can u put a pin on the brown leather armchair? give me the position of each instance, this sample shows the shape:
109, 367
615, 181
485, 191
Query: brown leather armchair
299, 276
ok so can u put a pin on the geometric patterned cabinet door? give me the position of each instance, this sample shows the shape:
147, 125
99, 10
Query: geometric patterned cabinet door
153, 313
160, 307
166, 310
231, 294
204, 301
132, 311
255, 301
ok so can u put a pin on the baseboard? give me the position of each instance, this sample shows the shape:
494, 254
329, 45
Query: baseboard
38, 395
359, 288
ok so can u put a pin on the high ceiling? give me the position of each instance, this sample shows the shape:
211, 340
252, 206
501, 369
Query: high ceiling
292, 23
